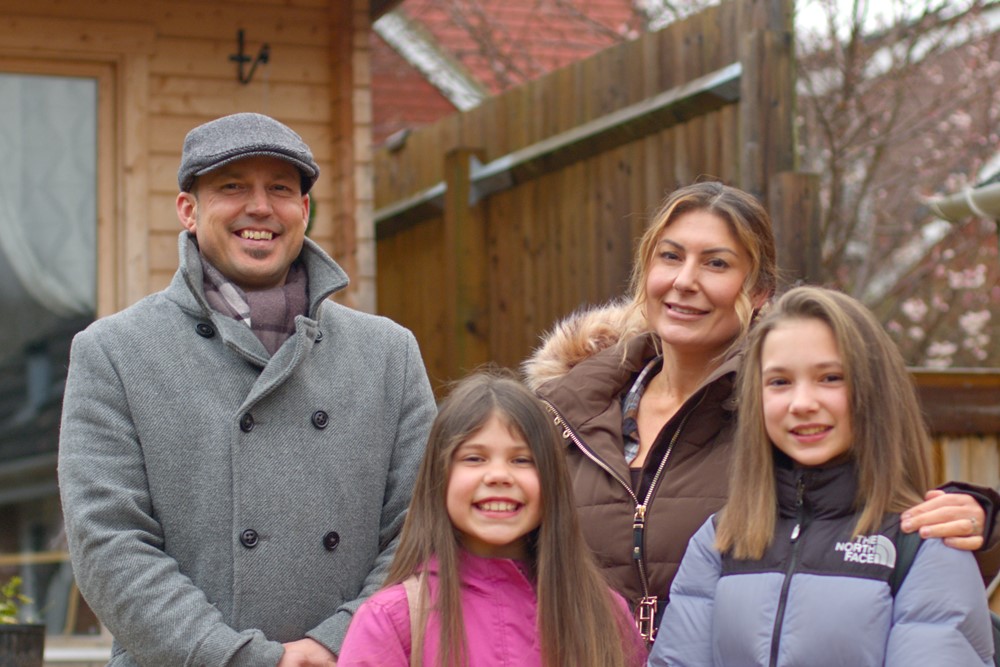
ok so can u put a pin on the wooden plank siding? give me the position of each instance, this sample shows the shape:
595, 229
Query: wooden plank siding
169, 70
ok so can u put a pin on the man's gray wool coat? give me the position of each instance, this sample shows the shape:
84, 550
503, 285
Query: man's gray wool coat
219, 502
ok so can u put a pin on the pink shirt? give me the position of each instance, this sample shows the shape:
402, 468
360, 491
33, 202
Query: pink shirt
499, 608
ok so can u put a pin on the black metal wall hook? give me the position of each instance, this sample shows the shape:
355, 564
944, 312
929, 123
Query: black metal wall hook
241, 59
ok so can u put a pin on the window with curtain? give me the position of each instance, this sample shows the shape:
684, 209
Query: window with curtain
48, 214
48, 266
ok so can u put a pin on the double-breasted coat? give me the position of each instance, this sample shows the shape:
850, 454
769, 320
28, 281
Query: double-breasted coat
219, 501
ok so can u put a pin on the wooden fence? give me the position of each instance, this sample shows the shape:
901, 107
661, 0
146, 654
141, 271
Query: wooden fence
494, 223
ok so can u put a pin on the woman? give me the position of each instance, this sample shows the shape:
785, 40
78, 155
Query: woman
643, 392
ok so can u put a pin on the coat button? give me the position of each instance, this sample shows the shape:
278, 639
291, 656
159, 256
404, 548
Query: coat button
319, 336
331, 540
320, 419
249, 538
246, 422
205, 330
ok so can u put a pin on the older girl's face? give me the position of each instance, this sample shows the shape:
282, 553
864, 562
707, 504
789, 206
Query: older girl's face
807, 411
695, 279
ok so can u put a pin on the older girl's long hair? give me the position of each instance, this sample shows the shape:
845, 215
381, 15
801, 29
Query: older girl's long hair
747, 220
578, 621
890, 447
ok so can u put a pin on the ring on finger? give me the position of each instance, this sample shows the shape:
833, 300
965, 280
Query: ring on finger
975, 525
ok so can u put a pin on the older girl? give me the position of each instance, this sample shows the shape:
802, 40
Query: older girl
492, 553
796, 569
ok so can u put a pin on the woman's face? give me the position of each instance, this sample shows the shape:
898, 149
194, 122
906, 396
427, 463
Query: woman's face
695, 279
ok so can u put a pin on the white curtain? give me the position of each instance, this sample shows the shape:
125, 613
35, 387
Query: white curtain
48, 189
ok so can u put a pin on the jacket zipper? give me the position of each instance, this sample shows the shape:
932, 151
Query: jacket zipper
779, 618
645, 610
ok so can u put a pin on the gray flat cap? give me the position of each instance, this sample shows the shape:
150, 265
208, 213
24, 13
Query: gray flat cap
230, 138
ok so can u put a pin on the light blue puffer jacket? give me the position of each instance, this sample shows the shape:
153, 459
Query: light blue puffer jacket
822, 599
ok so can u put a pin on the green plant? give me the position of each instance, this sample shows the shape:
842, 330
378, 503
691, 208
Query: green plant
11, 600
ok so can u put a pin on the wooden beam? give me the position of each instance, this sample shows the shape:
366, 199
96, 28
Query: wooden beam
626, 125
795, 214
767, 94
76, 37
960, 401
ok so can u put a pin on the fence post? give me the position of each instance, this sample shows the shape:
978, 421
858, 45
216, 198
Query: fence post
466, 268
793, 202
767, 94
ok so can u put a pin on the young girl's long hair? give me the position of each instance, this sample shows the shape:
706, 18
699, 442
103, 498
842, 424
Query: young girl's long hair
578, 620
891, 445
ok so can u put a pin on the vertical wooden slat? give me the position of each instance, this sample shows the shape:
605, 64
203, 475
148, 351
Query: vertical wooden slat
795, 212
767, 94
505, 285
465, 268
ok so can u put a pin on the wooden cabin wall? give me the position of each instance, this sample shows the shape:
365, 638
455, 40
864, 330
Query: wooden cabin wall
164, 67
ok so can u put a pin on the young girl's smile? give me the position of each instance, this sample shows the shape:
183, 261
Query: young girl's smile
493, 496
806, 404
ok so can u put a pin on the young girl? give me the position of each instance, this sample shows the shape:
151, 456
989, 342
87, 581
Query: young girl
502, 574
830, 434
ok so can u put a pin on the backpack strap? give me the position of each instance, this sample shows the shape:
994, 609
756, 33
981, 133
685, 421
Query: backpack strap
907, 545
412, 587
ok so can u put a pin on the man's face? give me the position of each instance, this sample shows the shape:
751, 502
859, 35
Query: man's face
250, 218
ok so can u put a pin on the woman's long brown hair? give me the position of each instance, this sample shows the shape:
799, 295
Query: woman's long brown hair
579, 623
890, 447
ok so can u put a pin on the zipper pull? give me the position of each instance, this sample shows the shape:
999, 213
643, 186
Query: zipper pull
800, 491
557, 420
638, 525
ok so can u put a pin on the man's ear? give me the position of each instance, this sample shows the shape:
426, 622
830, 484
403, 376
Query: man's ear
306, 203
187, 211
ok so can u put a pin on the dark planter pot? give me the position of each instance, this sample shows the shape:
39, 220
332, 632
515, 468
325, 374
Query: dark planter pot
22, 645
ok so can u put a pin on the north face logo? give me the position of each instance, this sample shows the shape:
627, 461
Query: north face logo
874, 549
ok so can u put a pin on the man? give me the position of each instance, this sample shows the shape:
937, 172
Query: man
237, 451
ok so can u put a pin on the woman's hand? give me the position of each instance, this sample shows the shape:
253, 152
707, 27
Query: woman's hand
955, 517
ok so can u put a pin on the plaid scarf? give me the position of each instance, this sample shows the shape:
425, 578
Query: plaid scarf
269, 313
630, 407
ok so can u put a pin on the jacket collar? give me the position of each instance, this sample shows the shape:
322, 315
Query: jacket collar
483, 574
591, 385
827, 492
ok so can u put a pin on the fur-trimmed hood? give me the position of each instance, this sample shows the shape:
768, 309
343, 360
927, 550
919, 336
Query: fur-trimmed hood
580, 336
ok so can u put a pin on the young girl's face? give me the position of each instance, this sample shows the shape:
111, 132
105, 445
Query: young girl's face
806, 406
494, 496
